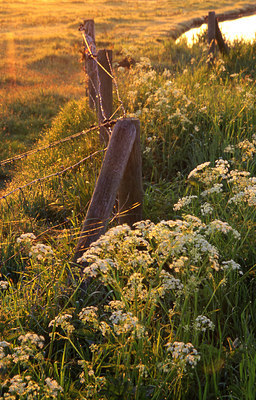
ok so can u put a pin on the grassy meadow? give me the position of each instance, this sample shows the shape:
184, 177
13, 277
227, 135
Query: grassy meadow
165, 310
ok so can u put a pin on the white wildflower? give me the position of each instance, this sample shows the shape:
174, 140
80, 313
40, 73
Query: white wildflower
53, 387
4, 285
126, 322
229, 149
178, 264
216, 188
183, 354
220, 226
232, 265
104, 328
115, 305
32, 338
89, 315
202, 323
195, 171
169, 282
17, 385
63, 322
221, 168
184, 201
4, 344
26, 237
237, 198
206, 209
40, 251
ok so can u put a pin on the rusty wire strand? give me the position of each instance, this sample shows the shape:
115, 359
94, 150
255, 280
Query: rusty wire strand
56, 143
51, 175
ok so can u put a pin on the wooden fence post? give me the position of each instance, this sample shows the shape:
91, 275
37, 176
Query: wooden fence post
90, 63
211, 32
105, 92
130, 194
112, 172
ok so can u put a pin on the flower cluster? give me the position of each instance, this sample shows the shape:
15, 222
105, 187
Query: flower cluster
89, 316
52, 388
206, 209
22, 386
232, 265
29, 345
26, 237
126, 322
40, 251
184, 201
220, 226
183, 354
62, 321
4, 285
202, 324
33, 339
27, 388
169, 282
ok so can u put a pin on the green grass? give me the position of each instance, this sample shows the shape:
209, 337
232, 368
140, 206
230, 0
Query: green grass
123, 337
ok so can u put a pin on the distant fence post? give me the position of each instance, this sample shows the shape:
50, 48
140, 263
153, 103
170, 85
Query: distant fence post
215, 36
113, 172
90, 63
211, 32
105, 91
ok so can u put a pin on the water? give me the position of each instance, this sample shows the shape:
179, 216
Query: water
242, 28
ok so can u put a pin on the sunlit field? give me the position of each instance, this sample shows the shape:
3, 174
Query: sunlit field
40, 46
162, 310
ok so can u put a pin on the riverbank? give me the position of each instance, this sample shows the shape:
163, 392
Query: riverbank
196, 22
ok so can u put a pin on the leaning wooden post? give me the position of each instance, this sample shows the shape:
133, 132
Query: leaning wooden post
221, 43
90, 63
130, 194
211, 33
112, 172
105, 91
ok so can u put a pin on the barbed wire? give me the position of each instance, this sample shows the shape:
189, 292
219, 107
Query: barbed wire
75, 232
39, 180
92, 128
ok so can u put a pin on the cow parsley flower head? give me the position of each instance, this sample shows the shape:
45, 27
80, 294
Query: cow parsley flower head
184, 201
183, 354
89, 315
203, 323
232, 265
26, 237
53, 387
63, 322
32, 338
196, 171
40, 251
4, 285
206, 209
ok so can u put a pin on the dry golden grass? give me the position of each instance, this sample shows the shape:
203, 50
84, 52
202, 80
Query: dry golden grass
40, 43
